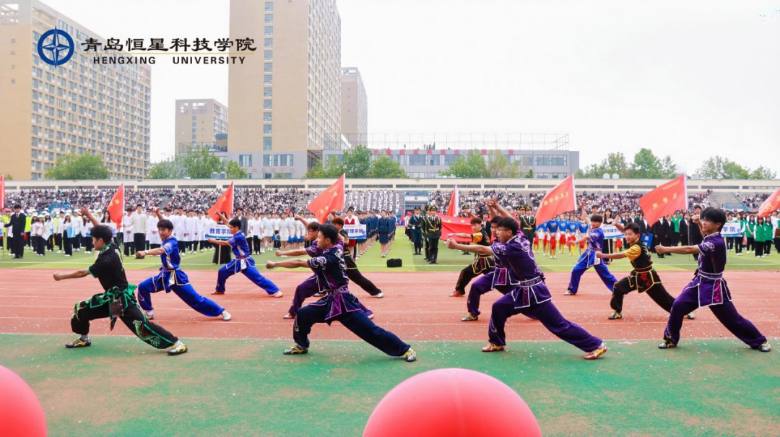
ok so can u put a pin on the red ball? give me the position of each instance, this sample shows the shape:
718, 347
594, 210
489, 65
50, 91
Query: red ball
21, 414
452, 402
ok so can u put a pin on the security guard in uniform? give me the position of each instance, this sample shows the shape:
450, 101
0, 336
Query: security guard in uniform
527, 223
432, 229
415, 223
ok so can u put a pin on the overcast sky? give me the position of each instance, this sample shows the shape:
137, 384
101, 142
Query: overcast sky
688, 79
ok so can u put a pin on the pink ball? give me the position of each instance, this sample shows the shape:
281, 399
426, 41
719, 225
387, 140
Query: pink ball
452, 402
21, 415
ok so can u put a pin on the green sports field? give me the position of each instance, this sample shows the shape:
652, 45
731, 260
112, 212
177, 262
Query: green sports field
449, 260
120, 386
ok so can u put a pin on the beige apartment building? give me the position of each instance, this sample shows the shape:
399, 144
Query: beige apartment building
285, 100
200, 123
354, 107
77, 106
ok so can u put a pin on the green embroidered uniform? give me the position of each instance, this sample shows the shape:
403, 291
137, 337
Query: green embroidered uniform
117, 302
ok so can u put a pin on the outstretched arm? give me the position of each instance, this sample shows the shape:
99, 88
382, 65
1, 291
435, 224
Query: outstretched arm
479, 250
85, 212
683, 250
73, 275
618, 255
287, 264
298, 252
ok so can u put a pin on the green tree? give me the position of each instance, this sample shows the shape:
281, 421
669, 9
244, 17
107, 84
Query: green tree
722, 168
614, 164
200, 162
648, 166
170, 169
331, 169
234, 171
386, 167
471, 166
499, 167
72, 166
762, 173
357, 162
8, 177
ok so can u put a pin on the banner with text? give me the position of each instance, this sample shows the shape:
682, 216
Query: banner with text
219, 232
356, 232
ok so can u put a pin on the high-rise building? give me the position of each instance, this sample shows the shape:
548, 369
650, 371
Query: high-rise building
285, 100
48, 111
200, 123
354, 107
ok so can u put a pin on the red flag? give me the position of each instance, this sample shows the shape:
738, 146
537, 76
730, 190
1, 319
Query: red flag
665, 200
452, 210
223, 204
559, 200
770, 205
455, 225
329, 200
117, 206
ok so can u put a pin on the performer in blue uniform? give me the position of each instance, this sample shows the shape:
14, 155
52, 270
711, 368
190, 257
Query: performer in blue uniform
339, 304
172, 277
595, 240
243, 262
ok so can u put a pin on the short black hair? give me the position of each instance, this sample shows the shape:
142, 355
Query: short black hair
102, 232
313, 226
17, 206
696, 206
495, 220
330, 232
165, 224
597, 218
236, 223
714, 215
633, 227
338, 221
476, 221
508, 223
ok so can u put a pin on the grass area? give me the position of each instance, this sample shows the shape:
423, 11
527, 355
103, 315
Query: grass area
449, 260
247, 387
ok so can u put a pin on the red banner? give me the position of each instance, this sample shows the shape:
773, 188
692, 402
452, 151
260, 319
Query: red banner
559, 200
455, 225
454, 202
329, 200
665, 200
116, 207
223, 204
770, 205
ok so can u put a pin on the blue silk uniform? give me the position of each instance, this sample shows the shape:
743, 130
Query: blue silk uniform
341, 305
588, 259
172, 278
243, 263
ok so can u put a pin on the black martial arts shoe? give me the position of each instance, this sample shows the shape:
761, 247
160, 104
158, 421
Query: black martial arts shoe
178, 349
296, 350
409, 356
616, 316
79, 343
667, 344
765, 347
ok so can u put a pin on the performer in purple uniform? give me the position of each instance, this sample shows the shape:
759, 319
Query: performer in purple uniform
338, 304
708, 288
516, 268
243, 262
588, 259
310, 287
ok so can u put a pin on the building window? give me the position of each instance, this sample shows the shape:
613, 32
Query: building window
418, 159
551, 160
285, 160
269, 6
269, 42
266, 128
267, 159
245, 160
268, 67
267, 104
268, 92
269, 30
268, 78
268, 55
269, 18
267, 144
267, 116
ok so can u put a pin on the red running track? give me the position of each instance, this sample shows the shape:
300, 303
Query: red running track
416, 307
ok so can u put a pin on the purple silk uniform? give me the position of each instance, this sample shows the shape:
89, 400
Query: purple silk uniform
528, 295
588, 259
339, 304
709, 289
311, 285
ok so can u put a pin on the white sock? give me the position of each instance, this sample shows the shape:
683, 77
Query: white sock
85, 337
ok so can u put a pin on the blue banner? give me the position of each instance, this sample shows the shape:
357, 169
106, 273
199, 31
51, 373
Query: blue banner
356, 232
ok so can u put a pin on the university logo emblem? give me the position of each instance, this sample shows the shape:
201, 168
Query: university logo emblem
55, 47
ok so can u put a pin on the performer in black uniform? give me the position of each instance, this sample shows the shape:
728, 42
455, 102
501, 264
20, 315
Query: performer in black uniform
527, 223
482, 263
415, 224
432, 231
